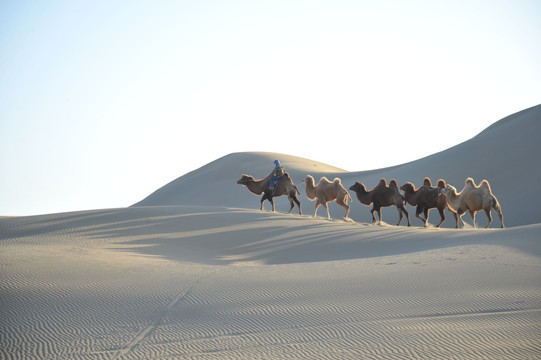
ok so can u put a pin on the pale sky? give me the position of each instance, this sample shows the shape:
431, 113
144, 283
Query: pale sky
103, 102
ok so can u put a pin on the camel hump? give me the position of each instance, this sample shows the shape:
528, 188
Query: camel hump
442, 184
470, 182
427, 182
337, 181
383, 182
324, 180
485, 185
393, 184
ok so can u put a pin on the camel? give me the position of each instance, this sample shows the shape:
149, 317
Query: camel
284, 186
426, 198
381, 195
473, 198
327, 191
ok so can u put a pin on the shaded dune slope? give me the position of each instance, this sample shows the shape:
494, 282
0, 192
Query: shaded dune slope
223, 236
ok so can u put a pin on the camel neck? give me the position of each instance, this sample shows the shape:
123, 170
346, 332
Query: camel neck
310, 190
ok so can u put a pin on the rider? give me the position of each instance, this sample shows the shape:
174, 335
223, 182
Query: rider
276, 174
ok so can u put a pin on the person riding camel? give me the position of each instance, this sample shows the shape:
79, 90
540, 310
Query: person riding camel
276, 174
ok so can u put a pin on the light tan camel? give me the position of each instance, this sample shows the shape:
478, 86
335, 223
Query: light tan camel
381, 195
473, 198
284, 186
327, 191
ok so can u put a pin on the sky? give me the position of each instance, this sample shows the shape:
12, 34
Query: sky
104, 102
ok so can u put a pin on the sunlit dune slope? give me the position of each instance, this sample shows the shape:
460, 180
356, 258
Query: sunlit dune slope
507, 154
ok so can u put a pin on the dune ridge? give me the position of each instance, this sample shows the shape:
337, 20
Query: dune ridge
506, 154
196, 271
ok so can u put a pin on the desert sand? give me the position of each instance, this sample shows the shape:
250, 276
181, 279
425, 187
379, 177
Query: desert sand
197, 271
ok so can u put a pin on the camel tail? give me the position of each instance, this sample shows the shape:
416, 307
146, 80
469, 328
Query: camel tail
496, 205
338, 182
345, 193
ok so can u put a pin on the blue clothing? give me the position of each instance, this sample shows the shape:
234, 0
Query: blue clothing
277, 173
273, 182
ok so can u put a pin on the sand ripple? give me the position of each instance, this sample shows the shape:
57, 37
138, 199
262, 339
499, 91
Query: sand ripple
94, 286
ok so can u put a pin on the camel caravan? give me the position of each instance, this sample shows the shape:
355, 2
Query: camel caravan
471, 198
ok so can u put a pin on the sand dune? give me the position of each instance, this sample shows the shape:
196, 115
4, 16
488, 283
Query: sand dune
194, 271
211, 282
506, 154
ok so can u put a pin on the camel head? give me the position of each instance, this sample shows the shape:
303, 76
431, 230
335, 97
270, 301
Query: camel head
309, 180
245, 179
408, 188
449, 189
358, 187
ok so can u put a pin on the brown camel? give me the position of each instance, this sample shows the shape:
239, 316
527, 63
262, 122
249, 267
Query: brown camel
425, 198
473, 198
381, 195
284, 186
326, 191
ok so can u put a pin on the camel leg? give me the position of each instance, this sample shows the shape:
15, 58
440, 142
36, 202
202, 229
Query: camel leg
262, 200
472, 215
489, 216
317, 205
461, 220
298, 204
327, 208
345, 205
442, 216
291, 204
268, 197
373, 217
272, 202
456, 218
426, 216
401, 209
401, 216
418, 215
293, 198
459, 213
